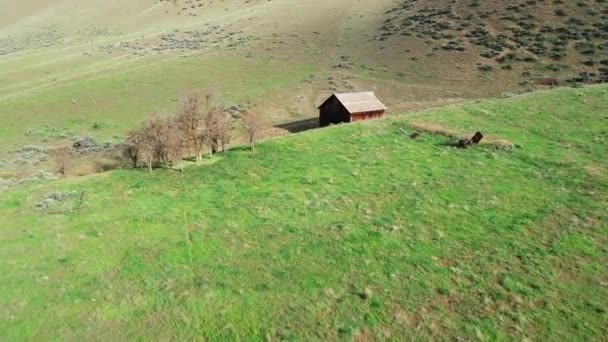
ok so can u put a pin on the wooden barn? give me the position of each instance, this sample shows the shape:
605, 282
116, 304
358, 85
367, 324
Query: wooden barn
350, 107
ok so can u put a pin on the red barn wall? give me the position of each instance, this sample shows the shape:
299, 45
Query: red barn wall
366, 116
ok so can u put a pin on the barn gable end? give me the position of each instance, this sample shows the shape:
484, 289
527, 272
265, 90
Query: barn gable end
349, 107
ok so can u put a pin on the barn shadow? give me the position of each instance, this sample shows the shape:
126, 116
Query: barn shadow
300, 126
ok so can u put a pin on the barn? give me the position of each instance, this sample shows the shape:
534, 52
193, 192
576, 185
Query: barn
350, 107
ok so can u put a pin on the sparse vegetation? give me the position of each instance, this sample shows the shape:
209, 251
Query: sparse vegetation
366, 233
500, 28
379, 230
253, 123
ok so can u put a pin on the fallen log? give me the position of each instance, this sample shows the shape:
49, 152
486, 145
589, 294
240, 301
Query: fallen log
466, 142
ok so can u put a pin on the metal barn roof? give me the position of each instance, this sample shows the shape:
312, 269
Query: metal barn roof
360, 102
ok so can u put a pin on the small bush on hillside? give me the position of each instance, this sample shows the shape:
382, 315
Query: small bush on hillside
486, 68
62, 159
54, 199
253, 123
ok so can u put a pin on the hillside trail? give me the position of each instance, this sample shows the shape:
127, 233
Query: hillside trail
337, 49
342, 26
97, 74
73, 48
16, 15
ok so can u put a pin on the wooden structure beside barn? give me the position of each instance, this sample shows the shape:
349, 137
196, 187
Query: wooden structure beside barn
350, 107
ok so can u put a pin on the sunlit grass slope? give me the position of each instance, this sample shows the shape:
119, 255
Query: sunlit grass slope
355, 231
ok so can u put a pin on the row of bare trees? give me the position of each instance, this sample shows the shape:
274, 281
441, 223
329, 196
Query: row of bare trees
199, 126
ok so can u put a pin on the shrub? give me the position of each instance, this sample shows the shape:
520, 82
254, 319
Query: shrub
486, 68
62, 159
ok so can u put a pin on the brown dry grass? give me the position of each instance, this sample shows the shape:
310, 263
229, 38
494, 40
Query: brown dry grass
596, 170
439, 129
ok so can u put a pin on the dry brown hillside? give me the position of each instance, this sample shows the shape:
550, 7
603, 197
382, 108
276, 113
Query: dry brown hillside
567, 40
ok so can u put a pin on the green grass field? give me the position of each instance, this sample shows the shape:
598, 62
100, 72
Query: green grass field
352, 232
65, 67
120, 100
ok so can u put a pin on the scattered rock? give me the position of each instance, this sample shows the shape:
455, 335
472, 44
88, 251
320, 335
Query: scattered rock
365, 294
52, 199
235, 111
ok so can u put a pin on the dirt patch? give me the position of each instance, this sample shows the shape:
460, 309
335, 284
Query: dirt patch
404, 318
434, 128
596, 170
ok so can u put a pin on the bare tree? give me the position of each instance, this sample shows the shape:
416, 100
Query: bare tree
62, 158
158, 142
147, 134
224, 128
153, 140
189, 120
211, 124
253, 123
176, 143
133, 148
198, 122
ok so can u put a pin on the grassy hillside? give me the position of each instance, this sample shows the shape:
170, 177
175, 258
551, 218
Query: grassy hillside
354, 231
66, 65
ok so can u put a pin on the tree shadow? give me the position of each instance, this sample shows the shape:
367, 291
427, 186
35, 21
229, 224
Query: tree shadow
300, 126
